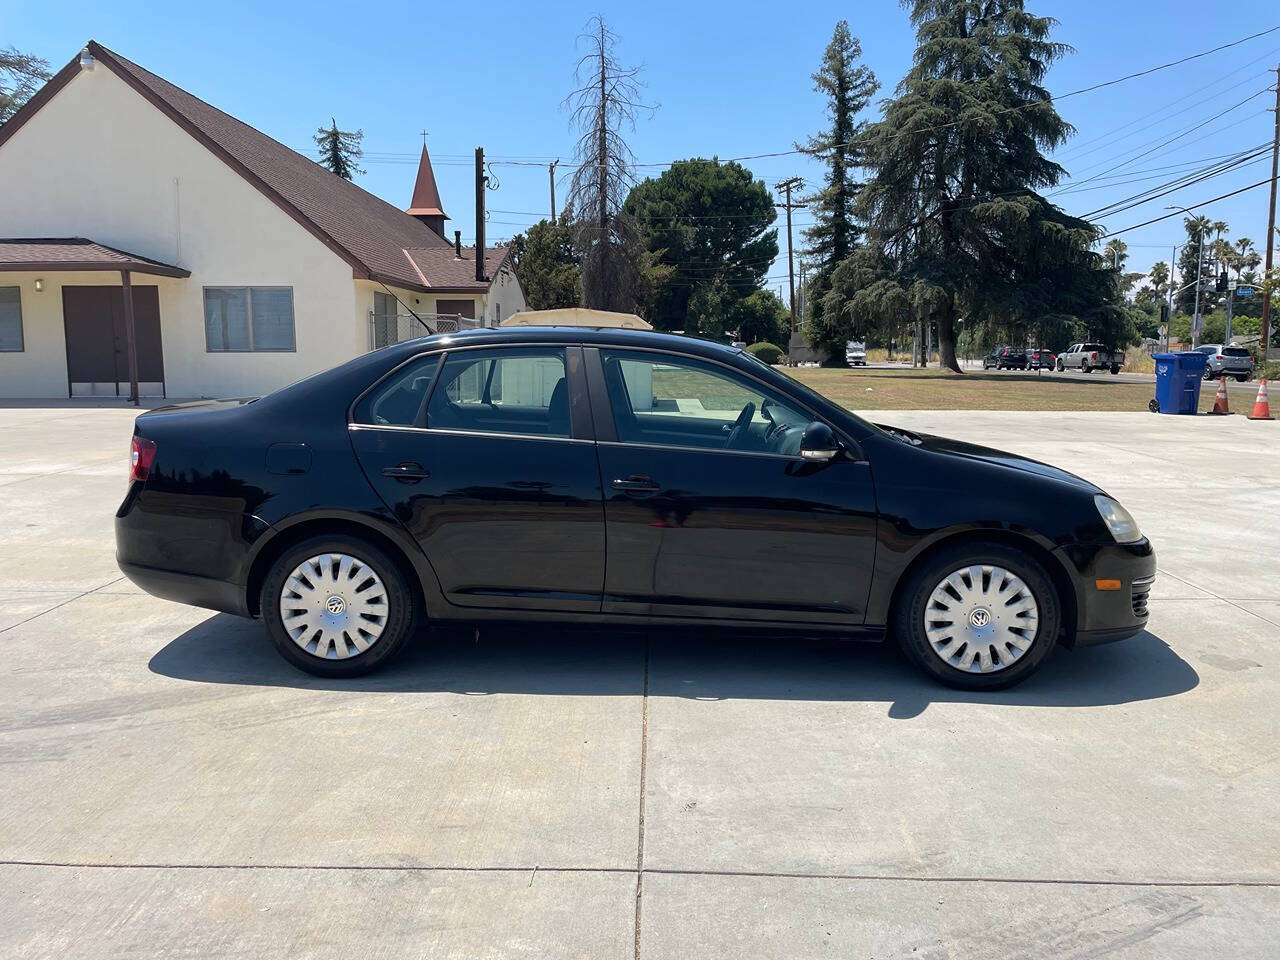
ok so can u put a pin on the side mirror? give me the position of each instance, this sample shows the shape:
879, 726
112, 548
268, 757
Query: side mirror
818, 442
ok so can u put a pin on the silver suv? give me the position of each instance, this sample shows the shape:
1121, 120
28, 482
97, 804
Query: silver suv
1227, 361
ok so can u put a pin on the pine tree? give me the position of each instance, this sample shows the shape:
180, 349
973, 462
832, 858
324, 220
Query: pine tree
340, 150
606, 102
848, 86
958, 159
21, 75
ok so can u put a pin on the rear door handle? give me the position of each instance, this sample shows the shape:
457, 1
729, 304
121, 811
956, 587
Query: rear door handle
408, 472
636, 484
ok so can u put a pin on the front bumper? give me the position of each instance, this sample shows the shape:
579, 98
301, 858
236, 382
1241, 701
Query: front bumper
1103, 616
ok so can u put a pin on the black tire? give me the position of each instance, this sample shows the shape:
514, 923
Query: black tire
1084, 366
1062, 367
1114, 369
1242, 377
1208, 374
401, 615
908, 616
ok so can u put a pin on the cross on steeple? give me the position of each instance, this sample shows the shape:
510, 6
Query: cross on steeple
424, 139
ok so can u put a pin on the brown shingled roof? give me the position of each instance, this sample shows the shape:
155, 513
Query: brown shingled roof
445, 270
77, 253
367, 232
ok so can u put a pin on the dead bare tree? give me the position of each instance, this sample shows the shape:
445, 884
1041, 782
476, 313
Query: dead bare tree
605, 103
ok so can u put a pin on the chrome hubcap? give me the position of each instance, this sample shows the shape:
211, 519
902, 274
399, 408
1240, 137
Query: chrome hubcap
334, 606
981, 619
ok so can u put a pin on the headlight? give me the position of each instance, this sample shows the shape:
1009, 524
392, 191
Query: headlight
1118, 520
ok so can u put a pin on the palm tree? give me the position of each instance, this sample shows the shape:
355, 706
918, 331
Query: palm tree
1117, 251
1160, 278
1246, 257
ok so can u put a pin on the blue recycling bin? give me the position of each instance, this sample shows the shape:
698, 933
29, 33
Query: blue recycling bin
1178, 377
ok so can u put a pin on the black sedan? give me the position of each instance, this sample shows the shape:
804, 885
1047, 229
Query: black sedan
614, 476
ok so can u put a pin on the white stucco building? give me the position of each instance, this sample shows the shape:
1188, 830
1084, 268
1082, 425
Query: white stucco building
249, 265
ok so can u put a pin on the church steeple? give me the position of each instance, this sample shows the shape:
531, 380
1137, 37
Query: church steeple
426, 197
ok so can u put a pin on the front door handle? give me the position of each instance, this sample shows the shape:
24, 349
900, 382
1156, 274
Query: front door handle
408, 472
636, 483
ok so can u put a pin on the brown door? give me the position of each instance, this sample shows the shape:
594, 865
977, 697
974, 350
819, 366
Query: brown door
97, 346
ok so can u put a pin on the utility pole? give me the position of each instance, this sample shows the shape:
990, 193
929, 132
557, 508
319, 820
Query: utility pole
1173, 265
551, 169
481, 183
787, 186
1271, 230
1195, 320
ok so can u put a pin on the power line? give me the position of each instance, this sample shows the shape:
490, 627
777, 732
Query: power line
1193, 206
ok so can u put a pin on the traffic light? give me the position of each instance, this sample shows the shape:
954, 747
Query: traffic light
1221, 285
1164, 314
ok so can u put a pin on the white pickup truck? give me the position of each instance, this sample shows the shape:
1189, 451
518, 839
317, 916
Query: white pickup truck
1087, 357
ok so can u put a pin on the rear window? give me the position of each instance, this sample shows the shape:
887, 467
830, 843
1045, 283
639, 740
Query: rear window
1094, 346
1235, 352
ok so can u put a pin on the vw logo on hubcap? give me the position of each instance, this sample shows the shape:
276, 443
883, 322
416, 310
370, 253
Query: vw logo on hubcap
980, 617
335, 605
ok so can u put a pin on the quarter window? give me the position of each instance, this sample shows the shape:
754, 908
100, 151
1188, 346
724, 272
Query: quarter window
677, 401
508, 390
401, 400
248, 319
10, 319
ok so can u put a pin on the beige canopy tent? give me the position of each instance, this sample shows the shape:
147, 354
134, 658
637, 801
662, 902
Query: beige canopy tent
575, 317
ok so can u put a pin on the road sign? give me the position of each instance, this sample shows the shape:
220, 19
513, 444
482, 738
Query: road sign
1244, 291
1231, 284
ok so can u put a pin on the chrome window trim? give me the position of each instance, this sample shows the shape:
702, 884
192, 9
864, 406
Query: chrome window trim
443, 431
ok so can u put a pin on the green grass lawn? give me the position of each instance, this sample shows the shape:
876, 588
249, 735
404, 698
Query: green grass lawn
933, 389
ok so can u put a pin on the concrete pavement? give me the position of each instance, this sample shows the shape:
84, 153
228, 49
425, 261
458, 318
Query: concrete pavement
171, 787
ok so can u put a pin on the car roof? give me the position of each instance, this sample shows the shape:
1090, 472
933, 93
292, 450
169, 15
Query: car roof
604, 336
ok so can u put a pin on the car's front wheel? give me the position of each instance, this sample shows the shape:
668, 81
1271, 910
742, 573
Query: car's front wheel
978, 616
337, 606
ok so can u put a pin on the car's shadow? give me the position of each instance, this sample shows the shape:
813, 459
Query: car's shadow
701, 664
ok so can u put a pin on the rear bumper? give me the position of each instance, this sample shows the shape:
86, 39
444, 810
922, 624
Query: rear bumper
188, 588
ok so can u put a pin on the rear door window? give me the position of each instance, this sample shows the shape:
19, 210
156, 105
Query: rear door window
1235, 352
518, 390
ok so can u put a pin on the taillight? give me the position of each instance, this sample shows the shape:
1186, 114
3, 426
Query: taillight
1218, 357
142, 453
1094, 355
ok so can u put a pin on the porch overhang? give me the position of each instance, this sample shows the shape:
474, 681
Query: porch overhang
66, 254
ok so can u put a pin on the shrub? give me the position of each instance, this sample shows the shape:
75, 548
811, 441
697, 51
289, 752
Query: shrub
765, 352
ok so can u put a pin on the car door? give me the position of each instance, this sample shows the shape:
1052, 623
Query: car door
485, 455
709, 509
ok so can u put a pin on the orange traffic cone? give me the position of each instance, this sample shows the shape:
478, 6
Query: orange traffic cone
1262, 406
1220, 399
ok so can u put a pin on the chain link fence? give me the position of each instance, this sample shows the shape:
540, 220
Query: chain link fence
389, 328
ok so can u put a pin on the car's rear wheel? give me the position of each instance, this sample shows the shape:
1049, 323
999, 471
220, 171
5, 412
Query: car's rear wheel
1242, 377
337, 606
1061, 366
979, 616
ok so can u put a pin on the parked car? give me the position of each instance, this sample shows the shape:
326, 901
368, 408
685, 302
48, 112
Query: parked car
1005, 358
1087, 357
1040, 359
855, 354
1227, 360
614, 477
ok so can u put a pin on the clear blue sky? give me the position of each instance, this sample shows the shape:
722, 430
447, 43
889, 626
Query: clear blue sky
731, 79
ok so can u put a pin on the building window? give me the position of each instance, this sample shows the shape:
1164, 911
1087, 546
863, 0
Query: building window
241, 319
10, 319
